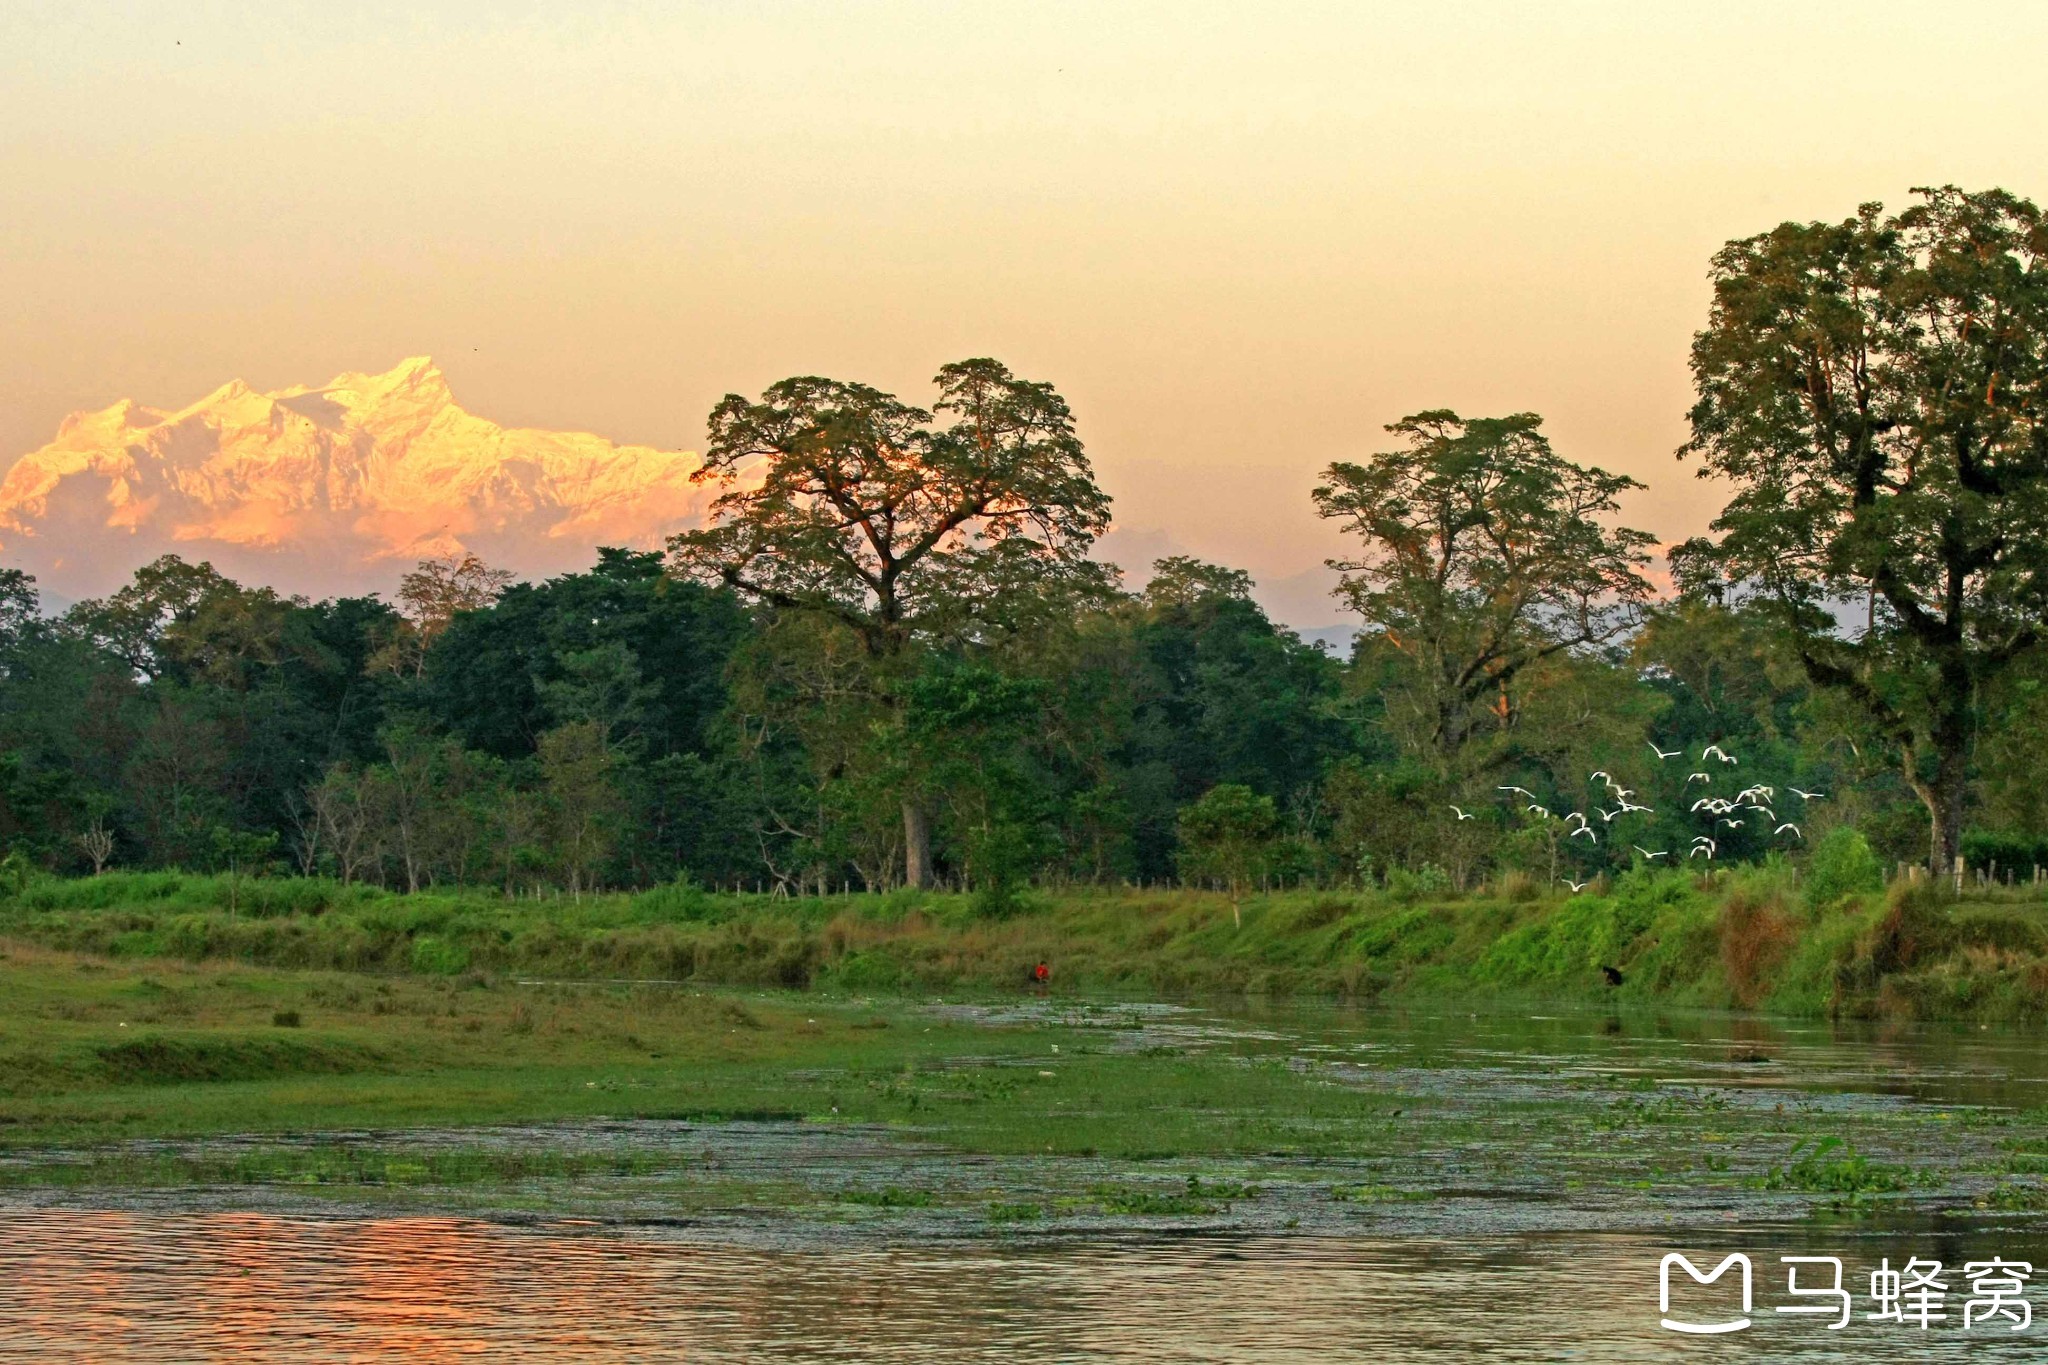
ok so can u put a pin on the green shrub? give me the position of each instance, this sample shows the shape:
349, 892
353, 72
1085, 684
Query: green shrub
681, 901
2017, 852
438, 957
1641, 894
1912, 929
1842, 865
1424, 882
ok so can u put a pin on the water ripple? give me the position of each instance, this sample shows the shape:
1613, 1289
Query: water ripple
102, 1285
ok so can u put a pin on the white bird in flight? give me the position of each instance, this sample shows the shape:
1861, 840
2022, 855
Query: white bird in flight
1661, 754
1697, 777
1595, 777
1807, 796
1540, 810
1461, 814
1582, 829
1698, 849
1576, 886
1716, 751
1625, 806
1794, 828
1647, 854
1523, 790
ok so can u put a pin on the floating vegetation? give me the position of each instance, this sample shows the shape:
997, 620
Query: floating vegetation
1014, 1213
1819, 1169
2031, 1197
890, 1197
1378, 1194
339, 1165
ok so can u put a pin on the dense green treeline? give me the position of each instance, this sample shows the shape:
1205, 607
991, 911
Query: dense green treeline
619, 728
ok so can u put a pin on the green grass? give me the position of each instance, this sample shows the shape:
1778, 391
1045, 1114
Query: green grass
93, 1050
1742, 937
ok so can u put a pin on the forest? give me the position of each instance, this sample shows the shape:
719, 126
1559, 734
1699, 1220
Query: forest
890, 656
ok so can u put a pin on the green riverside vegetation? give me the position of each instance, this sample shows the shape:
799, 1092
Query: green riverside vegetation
887, 1059
1752, 937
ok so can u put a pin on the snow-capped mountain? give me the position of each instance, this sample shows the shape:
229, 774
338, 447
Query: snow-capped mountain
334, 488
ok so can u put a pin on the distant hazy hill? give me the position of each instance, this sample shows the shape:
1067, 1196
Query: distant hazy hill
326, 489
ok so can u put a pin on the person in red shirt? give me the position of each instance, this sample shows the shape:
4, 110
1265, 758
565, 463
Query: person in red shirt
1041, 974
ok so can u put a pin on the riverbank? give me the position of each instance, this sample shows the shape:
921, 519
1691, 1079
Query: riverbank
1746, 938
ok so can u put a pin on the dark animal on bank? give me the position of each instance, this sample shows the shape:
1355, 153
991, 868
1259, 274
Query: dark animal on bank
1612, 975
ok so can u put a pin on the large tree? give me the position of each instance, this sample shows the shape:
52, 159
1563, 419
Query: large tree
845, 504
1876, 390
1484, 553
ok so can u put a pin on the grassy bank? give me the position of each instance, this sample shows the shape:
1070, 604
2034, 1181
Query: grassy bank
1745, 938
92, 1050
455, 1052
216, 1080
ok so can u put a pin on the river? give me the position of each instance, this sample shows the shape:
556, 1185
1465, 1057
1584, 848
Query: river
194, 1277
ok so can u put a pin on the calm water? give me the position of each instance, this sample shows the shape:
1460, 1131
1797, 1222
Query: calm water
115, 1286
160, 1281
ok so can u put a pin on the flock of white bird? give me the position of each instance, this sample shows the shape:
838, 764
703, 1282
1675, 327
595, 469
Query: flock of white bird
1721, 812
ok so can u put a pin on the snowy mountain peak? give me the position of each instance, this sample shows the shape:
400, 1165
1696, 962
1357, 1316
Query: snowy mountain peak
329, 488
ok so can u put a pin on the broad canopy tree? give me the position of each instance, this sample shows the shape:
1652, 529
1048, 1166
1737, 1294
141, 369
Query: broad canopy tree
1484, 553
1877, 392
843, 503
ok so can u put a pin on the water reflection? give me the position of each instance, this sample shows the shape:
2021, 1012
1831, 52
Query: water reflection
123, 1285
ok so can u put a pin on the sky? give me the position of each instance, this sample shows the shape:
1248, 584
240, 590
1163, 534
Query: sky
1240, 238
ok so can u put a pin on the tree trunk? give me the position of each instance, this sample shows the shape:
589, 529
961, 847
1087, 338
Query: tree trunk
1946, 810
917, 845
1943, 795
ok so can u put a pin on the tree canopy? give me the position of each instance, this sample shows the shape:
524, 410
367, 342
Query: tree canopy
1876, 390
844, 503
1482, 554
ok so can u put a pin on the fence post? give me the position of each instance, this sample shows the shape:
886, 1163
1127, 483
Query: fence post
1959, 874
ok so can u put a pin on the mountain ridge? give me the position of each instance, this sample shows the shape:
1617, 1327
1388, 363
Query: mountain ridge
332, 487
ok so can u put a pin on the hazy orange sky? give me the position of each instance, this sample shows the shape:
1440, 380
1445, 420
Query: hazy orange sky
1240, 238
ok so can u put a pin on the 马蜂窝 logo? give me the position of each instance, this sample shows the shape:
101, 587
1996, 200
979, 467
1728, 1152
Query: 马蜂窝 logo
1736, 1324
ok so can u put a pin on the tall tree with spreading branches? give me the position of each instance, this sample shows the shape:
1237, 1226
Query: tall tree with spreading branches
1876, 390
845, 504
1484, 554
